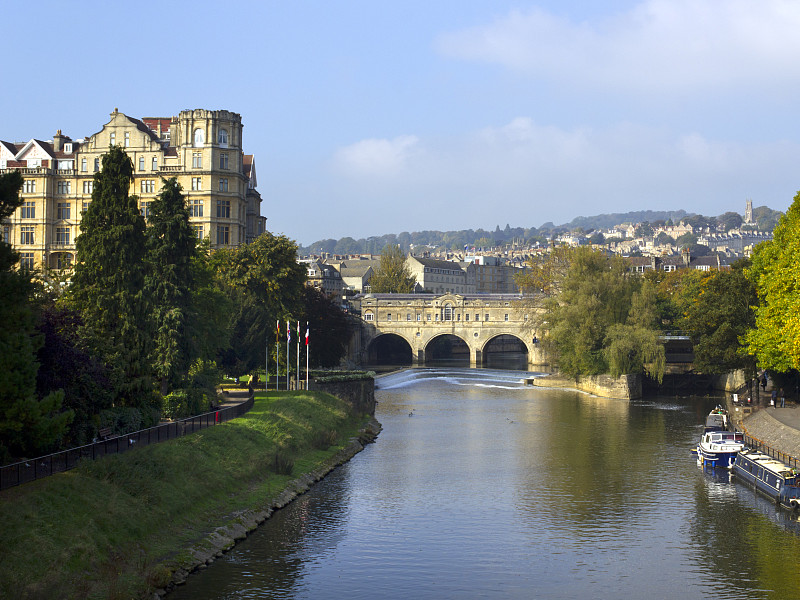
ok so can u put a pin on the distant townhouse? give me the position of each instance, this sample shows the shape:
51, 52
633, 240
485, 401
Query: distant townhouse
324, 277
441, 276
201, 148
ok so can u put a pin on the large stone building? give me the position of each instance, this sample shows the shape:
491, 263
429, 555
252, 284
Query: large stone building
201, 148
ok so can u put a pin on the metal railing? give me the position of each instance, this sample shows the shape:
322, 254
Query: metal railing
761, 446
58, 462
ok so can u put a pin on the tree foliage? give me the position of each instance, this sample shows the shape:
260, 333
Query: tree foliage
28, 423
775, 272
108, 281
330, 329
393, 275
601, 318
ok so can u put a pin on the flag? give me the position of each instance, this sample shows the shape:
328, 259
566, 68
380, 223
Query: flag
306, 333
288, 332
277, 331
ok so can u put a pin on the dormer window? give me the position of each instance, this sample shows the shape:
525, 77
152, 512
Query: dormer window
68, 148
223, 137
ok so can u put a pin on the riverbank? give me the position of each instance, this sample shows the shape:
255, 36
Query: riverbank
130, 524
624, 387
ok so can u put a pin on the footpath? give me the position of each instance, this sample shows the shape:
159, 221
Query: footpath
776, 427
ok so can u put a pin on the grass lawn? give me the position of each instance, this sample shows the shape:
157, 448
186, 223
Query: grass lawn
102, 529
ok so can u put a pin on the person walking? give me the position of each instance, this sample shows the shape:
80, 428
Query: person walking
774, 399
783, 398
764, 381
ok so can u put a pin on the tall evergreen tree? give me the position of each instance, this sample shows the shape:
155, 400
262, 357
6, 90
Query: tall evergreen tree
28, 424
170, 249
107, 285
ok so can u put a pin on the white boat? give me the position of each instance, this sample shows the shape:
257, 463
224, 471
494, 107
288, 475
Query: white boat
719, 448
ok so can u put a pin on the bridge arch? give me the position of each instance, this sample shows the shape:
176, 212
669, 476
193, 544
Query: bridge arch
447, 349
505, 350
389, 349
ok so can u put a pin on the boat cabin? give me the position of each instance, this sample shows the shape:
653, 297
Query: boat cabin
770, 476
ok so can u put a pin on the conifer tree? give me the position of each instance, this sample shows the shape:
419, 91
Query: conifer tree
28, 424
107, 285
170, 249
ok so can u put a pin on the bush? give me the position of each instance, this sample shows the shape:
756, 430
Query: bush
180, 404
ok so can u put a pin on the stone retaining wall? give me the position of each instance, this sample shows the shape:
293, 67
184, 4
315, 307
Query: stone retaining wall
773, 433
625, 387
359, 393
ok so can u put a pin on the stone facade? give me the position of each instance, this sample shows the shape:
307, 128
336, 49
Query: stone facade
201, 148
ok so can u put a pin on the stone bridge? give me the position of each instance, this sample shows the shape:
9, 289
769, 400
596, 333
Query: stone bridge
477, 324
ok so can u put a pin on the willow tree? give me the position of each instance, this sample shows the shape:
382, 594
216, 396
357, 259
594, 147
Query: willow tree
393, 275
108, 281
171, 245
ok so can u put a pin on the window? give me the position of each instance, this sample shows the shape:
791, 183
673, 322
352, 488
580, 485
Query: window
197, 160
223, 184
88, 186
408, 316
63, 260
368, 316
196, 207
146, 209
223, 160
437, 316
448, 312
198, 230
26, 234
199, 138
223, 235
428, 317
486, 317
155, 163
141, 163
197, 183
466, 317
62, 236
62, 211
113, 138
505, 317
223, 137
63, 187
96, 165
389, 317
29, 187
28, 210
85, 207
84, 165
127, 138
224, 209
419, 317
26, 261
148, 186
7, 234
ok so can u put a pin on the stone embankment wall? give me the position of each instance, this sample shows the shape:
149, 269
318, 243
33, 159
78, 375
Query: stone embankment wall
625, 387
773, 433
359, 393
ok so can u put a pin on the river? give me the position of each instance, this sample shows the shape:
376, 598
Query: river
480, 487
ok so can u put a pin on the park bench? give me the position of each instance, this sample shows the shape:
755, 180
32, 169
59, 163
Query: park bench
104, 433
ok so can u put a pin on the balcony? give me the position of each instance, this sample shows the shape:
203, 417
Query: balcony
171, 168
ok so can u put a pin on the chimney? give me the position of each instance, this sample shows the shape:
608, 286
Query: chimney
686, 258
58, 141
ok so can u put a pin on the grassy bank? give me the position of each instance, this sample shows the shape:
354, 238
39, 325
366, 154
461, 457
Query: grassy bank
105, 529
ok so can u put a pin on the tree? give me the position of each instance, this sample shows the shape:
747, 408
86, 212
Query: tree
330, 328
717, 317
264, 283
775, 272
393, 275
602, 318
108, 281
686, 240
664, 239
170, 249
730, 220
28, 423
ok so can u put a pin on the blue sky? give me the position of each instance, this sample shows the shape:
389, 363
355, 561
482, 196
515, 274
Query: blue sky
373, 117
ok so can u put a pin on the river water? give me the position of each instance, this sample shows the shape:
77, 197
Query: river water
481, 487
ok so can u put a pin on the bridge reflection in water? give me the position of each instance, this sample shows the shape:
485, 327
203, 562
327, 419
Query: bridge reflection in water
478, 330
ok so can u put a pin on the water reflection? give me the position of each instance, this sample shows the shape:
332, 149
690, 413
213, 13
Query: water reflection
481, 487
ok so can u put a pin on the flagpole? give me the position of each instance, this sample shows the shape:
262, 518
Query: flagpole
306, 355
297, 373
277, 353
288, 346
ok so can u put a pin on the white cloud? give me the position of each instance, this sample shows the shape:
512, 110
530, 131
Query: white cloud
659, 45
375, 157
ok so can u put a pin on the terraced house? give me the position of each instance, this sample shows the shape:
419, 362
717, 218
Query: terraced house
202, 148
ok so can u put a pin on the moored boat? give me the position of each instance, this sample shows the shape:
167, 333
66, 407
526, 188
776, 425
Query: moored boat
717, 420
769, 476
719, 448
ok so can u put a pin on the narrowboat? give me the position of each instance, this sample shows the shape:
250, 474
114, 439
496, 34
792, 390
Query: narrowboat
769, 476
717, 420
719, 448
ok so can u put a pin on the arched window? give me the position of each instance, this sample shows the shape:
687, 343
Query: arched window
448, 312
199, 138
223, 137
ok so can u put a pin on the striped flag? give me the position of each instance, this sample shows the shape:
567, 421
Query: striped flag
288, 332
306, 333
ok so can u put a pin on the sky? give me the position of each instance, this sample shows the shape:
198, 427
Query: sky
373, 117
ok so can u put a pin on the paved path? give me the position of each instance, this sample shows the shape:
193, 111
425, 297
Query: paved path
777, 427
